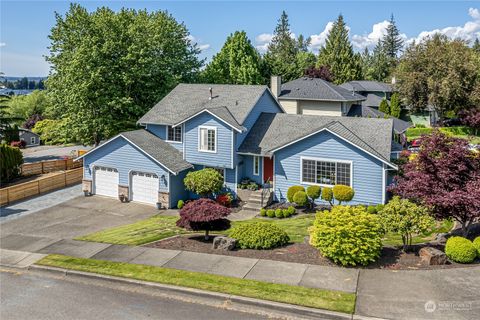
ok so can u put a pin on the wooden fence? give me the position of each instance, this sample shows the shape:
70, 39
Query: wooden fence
40, 185
33, 168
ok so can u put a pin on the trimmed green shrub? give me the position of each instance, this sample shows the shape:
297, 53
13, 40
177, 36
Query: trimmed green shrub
379, 207
286, 213
292, 190
270, 213
259, 235
343, 193
204, 182
180, 204
460, 250
476, 244
372, 209
291, 210
263, 212
300, 198
327, 195
279, 213
11, 159
314, 192
347, 235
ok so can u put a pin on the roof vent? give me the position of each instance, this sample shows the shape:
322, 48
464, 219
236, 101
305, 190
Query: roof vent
236, 102
211, 93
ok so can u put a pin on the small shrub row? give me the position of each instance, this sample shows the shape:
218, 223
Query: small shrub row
277, 213
259, 235
462, 250
301, 197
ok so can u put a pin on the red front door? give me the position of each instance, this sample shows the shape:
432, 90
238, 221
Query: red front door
267, 169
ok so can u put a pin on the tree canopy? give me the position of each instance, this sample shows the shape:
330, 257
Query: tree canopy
108, 68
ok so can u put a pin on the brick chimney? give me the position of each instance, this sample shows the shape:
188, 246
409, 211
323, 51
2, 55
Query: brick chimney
276, 85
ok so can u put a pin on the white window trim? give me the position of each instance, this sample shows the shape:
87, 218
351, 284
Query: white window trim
33, 140
326, 160
173, 141
256, 158
199, 139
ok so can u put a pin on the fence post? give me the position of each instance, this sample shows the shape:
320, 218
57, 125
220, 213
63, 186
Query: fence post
42, 167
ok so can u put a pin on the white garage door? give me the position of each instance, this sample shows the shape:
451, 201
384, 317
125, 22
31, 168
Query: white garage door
106, 181
145, 187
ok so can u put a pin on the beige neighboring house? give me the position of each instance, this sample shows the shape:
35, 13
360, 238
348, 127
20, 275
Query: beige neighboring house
314, 96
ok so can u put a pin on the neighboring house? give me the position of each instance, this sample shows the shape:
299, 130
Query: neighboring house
373, 91
31, 138
243, 132
313, 96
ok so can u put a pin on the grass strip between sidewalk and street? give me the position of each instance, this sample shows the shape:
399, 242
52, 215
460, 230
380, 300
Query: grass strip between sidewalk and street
308, 297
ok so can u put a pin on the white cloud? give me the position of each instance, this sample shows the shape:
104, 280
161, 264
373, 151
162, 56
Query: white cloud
263, 40
469, 31
371, 39
318, 40
200, 46
203, 47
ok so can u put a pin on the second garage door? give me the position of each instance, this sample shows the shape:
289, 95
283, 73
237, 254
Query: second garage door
145, 187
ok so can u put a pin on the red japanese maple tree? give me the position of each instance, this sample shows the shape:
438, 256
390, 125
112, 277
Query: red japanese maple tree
445, 175
204, 214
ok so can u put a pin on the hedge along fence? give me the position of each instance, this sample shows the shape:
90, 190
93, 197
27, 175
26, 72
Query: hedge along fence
41, 185
33, 168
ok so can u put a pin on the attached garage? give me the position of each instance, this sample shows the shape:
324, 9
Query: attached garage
105, 181
144, 187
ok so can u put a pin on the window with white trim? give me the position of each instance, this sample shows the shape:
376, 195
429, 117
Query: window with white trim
174, 134
32, 140
326, 172
208, 139
256, 165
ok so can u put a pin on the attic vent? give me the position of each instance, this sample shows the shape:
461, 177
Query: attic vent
211, 93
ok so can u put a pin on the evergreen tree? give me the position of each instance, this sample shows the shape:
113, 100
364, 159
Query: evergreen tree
392, 42
395, 108
302, 43
237, 62
380, 64
338, 55
384, 106
476, 45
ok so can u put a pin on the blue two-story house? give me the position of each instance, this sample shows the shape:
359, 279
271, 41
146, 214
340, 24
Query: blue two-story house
243, 132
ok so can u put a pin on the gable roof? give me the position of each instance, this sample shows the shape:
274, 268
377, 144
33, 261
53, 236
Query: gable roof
154, 147
373, 100
230, 103
272, 132
365, 85
399, 125
316, 89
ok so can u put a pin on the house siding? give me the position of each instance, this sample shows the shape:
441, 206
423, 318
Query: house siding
266, 104
367, 171
177, 189
320, 108
223, 157
161, 132
248, 169
124, 157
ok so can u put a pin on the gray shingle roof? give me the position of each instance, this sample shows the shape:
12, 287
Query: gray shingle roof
158, 149
272, 131
399, 125
365, 85
316, 89
232, 103
373, 100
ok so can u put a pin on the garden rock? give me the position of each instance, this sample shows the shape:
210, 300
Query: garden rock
441, 238
224, 243
433, 256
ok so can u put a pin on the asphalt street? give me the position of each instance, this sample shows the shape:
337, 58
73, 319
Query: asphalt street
32, 295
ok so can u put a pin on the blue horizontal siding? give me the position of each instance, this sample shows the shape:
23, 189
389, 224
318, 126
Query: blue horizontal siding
223, 157
161, 131
248, 169
124, 157
367, 171
177, 189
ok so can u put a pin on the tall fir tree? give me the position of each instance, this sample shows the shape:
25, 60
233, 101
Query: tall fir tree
476, 45
384, 107
392, 42
237, 63
395, 108
338, 55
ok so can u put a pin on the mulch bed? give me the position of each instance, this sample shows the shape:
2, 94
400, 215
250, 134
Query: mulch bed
391, 258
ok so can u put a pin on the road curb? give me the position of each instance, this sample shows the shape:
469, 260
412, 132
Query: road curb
270, 305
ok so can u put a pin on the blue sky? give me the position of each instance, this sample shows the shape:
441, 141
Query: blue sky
25, 25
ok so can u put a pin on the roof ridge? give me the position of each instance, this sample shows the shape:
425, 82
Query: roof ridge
329, 85
229, 112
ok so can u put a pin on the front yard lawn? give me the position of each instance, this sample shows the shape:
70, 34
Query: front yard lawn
308, 297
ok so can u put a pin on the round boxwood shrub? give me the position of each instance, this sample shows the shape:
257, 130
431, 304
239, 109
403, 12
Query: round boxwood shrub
327, 194
292, 191
291, 210
270, 213
263, 212
180, 204
279, 213
314, 192
259, 235
460, 250
300, 198
347, 235
476, 244
285, 213
372, 209
343, 193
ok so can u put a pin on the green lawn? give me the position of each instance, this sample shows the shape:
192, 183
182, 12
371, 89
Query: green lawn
457, 132
308, 297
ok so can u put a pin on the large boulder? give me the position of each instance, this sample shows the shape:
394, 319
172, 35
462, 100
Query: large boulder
432, 256
224, 243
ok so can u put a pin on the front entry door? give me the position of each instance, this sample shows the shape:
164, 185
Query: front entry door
267, 169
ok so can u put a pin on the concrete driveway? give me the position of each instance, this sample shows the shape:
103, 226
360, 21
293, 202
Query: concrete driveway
67, 220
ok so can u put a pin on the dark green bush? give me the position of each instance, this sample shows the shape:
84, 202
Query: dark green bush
263, 212
300, 198
379, 207
259, 235
372, 209
291, 210
11, 159
343, 193
292, 190
460, 250
476, 244
270, 213
180, 204
279, 213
